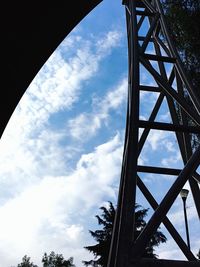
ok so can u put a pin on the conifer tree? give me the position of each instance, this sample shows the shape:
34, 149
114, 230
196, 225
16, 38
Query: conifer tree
103, 236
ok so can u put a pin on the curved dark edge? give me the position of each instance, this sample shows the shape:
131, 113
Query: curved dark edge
30, 33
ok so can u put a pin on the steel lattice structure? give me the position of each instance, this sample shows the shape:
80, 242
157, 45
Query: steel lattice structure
172, 86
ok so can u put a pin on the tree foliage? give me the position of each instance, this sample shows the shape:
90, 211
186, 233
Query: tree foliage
103, 236
26, 262
183, 18
56, 260
51, 260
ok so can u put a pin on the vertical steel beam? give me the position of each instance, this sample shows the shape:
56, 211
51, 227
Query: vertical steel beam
123, 232
125, 251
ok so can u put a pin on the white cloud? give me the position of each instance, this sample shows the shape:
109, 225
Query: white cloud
58, 84
158, 139
28, 160
176, 216
29, 148
42, 216
86, 125
110, 40
45, 204
39, 191
173, 160
170, 251
114, 98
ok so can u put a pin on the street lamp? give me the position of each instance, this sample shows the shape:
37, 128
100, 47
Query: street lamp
184, 193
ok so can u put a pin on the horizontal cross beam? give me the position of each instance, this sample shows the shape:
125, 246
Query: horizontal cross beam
168, 127
159, 170
164, 263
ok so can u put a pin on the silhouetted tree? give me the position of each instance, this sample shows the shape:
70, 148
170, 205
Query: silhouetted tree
183, 17
198, 254
56, 260
26, 262
103, 236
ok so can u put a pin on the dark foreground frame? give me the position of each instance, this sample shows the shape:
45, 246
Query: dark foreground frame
30, 33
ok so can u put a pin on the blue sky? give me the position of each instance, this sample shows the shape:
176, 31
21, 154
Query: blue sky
61, 151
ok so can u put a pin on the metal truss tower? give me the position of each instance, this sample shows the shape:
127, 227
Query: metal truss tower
172, 86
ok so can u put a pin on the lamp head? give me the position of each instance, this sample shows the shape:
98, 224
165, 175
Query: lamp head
184, 193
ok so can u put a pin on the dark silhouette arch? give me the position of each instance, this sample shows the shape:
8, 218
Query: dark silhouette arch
32, 30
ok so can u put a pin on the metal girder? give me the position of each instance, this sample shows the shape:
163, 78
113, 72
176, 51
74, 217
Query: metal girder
164, 263
174, 87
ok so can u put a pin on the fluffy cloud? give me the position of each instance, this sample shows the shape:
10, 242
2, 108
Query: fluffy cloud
45, 202
29, 148
50, 215
58, 84
85, 125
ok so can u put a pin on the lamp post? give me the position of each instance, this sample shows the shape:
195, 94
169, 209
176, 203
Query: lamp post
184, 193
